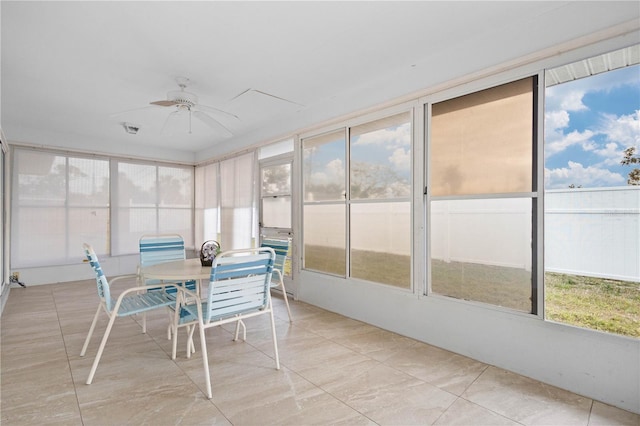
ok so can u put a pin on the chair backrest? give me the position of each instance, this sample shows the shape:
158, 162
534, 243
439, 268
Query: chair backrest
239, 283
281, 248
104, 292
162, 248
156, 249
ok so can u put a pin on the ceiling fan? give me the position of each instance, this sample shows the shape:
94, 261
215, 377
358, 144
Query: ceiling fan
182, 102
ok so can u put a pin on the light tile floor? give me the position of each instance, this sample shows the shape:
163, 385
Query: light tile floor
334, 371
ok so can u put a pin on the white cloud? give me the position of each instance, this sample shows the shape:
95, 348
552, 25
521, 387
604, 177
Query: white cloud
561, 142
319, 178
554, 123
335, 167
390, 138
572, 101
401, 159
611, 152
333, 172
623, 130
620, 132
568, 96
577, 174
554, 120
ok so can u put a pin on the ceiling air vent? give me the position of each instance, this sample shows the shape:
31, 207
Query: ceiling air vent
130, 128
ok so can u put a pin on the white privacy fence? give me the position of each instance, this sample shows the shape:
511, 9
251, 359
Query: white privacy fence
593, 232
486, 231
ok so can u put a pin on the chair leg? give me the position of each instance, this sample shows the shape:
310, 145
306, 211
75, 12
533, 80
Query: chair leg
174, 346
191, 346
190, 340
93, 326
205, 360
286, 299
173, 326
101, 348
273, 336
244, 331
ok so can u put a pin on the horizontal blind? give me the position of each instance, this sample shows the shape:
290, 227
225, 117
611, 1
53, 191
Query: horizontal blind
59, 201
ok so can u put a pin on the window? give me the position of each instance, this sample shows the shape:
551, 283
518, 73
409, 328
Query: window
237, 208
592, 201
225, 205
380, 200
150, 199
371, 222
276, 199
207, 204
275, 195
482, 205
276, 167
324, 211
59, 202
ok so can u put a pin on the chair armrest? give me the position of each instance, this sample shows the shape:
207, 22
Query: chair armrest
188, 293
122, 277
146, 288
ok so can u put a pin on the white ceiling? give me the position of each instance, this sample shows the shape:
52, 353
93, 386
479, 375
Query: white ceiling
70, 69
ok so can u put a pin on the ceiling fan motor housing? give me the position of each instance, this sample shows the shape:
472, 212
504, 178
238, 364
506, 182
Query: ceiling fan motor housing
182, 97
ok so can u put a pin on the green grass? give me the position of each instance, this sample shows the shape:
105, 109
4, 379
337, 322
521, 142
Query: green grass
596, 303
378, 267
496, 285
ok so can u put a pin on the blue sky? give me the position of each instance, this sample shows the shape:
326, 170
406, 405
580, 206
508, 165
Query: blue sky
588, 124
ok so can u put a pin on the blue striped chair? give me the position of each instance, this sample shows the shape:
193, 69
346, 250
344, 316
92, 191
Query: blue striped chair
133, 300
161, 248
281, 248
238, 289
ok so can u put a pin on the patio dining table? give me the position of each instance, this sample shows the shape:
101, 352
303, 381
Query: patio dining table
177, 271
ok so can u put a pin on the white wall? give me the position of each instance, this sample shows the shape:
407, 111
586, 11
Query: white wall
112, 266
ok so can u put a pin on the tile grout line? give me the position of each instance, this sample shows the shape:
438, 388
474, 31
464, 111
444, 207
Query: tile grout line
66, 351
311, 382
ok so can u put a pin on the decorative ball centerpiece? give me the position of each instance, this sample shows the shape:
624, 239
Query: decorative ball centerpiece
209, 250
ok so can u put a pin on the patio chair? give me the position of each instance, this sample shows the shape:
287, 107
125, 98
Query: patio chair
238, 289
131, 301
281, 248
162, 248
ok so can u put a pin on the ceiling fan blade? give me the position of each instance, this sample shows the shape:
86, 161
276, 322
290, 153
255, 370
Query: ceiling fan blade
212, 122
212, 109
165, 103
166, 121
